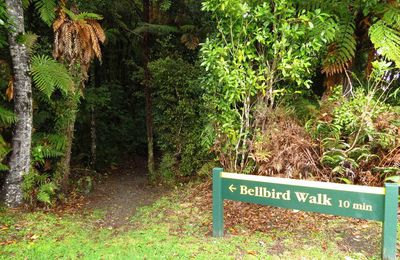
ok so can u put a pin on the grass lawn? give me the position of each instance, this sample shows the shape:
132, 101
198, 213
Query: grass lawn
174, 229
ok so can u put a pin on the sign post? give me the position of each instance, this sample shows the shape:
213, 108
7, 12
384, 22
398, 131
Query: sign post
370, 203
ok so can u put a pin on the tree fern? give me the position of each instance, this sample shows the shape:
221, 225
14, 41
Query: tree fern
49, 75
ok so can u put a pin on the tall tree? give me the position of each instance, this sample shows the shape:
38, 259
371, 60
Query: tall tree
147, 90
21, 144
77, 43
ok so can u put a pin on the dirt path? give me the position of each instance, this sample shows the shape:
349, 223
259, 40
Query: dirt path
121, 192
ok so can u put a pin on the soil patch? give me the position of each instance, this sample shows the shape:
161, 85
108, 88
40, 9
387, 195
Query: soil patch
121, 191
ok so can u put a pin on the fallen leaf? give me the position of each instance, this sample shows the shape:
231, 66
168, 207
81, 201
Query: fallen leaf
10, 90
252, 252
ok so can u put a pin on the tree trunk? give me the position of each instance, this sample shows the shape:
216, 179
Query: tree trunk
21, 143
147, 91
92, 138
63, 167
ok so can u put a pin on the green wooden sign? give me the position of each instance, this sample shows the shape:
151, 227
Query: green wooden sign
371, 203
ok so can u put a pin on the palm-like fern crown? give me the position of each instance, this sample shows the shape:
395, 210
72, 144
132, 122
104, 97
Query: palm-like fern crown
341, 49
77, 38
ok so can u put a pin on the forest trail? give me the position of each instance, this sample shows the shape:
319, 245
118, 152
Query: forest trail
119, 193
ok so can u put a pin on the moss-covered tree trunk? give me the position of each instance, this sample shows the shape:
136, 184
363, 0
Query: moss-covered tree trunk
21, 143
67, 129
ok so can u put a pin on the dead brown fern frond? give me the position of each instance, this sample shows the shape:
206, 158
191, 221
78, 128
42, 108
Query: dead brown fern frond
77, 39
285, 149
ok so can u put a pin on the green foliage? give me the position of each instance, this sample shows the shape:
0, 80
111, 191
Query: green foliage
29, 39
4, 151
179, 115
38, 187
45, 8
157, 29
47, 146
166, 170
49, 75
7, 117
119, 115
385, 35
250, 66
174, 228
4, 24
82, 15
357, 133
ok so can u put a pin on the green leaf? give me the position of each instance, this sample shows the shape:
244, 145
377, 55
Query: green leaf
48, 75
47, 10
7, 117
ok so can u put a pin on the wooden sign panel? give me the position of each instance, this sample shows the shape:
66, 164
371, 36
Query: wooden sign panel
362, 202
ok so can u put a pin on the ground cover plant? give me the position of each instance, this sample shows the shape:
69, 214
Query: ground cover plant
178, 226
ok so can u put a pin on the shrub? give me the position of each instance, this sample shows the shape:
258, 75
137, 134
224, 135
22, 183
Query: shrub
359, 136
179, 115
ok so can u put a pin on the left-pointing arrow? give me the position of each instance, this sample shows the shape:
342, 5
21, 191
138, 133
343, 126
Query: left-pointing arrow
232, 188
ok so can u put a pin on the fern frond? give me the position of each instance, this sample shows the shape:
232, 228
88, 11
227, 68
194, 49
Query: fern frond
47, 10
385, 35
51, 145
49, 153
46, 193
342, 51
58, 142
29, 39
82, 16
391, 17
4, 148
386, 41
49, 75
7, 117
88, 16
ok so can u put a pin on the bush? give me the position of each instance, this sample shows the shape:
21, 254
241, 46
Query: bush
179, 116
357, 136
